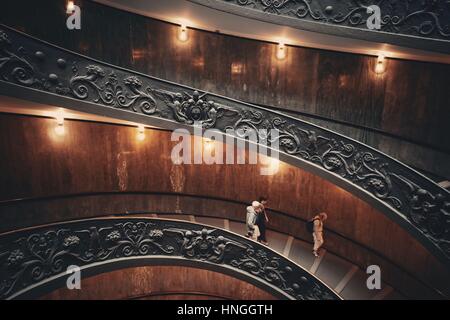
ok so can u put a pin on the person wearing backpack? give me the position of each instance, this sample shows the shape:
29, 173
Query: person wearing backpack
315, 226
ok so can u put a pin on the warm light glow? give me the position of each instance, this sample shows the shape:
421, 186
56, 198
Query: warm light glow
59, 116
270, 165
60, 130
138, 53
70, 6
237, 68
208, 144
274, 163
183, 33
381, 64
281, 51
198, 62
141, 133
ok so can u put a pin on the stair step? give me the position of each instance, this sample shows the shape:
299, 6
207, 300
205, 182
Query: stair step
332, 269
317, 261
238, 227
301, 253
216, 222
277, 241
356, 288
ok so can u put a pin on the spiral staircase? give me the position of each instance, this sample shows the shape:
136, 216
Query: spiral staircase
36, 71
345, 278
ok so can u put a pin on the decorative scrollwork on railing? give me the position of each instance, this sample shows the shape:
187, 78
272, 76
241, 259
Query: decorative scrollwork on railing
419, 202
428, 19
188, 108
28, 258
110, 92
14, 67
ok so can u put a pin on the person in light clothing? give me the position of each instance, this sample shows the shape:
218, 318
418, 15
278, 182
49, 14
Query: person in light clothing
252, 213
318, 232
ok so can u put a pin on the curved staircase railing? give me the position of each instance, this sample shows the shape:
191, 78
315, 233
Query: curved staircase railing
34, 70
416, 24
34, 261
37, 206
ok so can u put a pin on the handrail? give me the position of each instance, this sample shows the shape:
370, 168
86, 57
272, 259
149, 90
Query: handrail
414, 24
35, 70
33, 261
375, 130
33, 200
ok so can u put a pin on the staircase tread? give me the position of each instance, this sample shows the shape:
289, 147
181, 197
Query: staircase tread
301, 253
356, 288
331, 269
216, 222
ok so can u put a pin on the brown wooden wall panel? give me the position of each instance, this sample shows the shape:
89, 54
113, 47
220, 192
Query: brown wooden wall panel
37, 212
95, 157
411, 100
161, 282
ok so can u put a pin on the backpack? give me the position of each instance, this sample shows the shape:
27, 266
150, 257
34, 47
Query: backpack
310, 225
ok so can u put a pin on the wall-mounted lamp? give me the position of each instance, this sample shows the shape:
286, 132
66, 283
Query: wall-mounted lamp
274, 163
237, 68
70, 7
381, 64
141, 133
281, 51
208, 144
59, 129
269, 165
183, 33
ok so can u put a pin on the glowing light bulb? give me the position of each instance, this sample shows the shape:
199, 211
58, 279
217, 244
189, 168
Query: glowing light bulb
381, 64
59, 129
60, 117
281, 51
141, 133
70, 6
183, 33
269, 164
209, 144
274, 162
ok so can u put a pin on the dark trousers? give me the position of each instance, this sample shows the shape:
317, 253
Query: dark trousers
261, 223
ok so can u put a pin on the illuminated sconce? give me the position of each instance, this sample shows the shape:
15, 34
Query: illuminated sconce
270, 165
141, 133
208, 144
237, 68
281, 51
59, 129
274, 163
183, 33
381, 64
70, 7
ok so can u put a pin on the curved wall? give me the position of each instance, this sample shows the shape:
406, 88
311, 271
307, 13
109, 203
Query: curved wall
161, 283
96, 158
403, 113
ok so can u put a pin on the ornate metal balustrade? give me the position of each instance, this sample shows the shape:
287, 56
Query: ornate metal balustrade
35, 70
35, 261
420, 24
